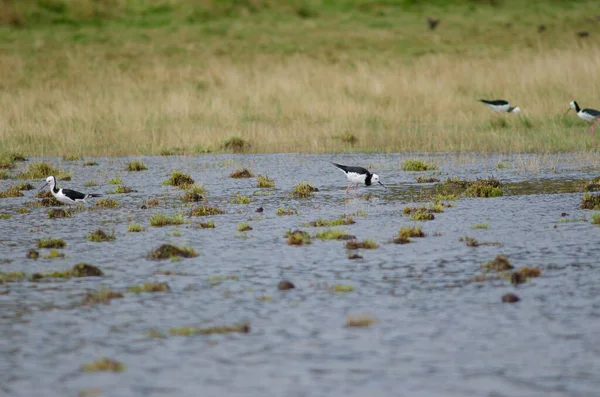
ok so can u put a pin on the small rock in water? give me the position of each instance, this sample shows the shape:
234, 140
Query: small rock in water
285, 285
259, 209
510, 298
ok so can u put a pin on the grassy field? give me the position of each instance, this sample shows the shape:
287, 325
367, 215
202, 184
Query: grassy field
125, 77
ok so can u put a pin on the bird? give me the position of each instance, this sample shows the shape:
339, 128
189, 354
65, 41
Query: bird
501, 106
66, 196
589, 115
358, 175
432, 23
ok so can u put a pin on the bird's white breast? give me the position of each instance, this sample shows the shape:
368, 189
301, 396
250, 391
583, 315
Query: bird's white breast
356, 177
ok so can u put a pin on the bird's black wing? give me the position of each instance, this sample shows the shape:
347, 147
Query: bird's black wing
593, 112
347, 168
495, 102
73, 194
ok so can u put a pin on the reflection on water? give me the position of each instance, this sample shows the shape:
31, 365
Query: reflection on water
436, 333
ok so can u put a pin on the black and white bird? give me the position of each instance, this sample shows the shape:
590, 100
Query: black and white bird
589, 115
501, 106
357, 176
66, 196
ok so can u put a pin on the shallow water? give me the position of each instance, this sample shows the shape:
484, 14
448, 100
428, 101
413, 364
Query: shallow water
437, 333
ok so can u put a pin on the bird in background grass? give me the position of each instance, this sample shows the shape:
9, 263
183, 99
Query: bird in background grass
589, 115
357, 176
66, 196
501, 106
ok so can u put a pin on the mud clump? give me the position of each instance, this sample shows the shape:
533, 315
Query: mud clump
521, 275
285, 285
241, 173
510, 298
167, 251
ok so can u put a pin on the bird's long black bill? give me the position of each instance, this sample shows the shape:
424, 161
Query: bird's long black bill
45, 184
567, 111
382, 184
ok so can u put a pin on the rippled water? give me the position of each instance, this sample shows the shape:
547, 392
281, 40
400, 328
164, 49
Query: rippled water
437, 333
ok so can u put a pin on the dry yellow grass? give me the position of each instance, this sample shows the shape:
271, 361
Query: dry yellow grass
138, 97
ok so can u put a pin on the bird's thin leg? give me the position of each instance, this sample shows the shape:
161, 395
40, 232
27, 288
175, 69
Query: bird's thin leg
355, 189
592, 128
348, 188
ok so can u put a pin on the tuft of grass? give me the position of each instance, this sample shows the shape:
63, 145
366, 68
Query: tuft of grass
174, 151
236, 145
115, 181
159, 219
334, 234
523, 274
484, 188
4, 175
239, 199
180, 180
404, 234
422, 179
480, 226
54, 254
86, 270
341, 288
90, 184
241, 173
499, 264
304, 190
590, 202
25, 186
11, 277
342, 220
149, 287
206, 211
107, 203
136, 165
103, 365
297, 237
5, 216
243, 227
365, 244
150, 203
417, 165
194, 193
264, 182
362, 320
102, 296
90, 163
11, 191
421, 214
187, 331
51, 243
43, 170
59, 213
595, 218
121, 189
100, 236
167, 251
206, 225
135, 228
286, 211
445, 197
346, 138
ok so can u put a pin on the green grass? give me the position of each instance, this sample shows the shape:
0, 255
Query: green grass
480, 226
51, 243
121, 189
341, 288
417, 165
168, 251
180, 180
205, 210
264, 182
11, 191
365, 244
107, 203
159, 219
5, 216
135, 228
194, 193
103, 365
149, 287
333, 234
340, 221
297, 237
41, 170
101, 236
286, 211
101, 296
304, 190
243, 227
136, 165
115, 181
595, 218
239, 199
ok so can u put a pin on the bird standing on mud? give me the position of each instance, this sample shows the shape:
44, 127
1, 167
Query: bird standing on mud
589, 115
66, 196
358, 175
501, 106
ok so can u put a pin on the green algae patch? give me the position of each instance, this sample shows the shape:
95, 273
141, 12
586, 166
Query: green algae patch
243, 328
167, 251
104, 365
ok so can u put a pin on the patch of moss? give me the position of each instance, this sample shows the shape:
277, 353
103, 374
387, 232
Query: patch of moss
206, 211
243, 227
102, 296
136, 165
180, 180
342, 220
304, 190
149, 287
590, 202
286, 211
297, 237
167, 251
264, 182
239, 199
51, 243
100, 236
187, 331
365, 244
499, 264
59, 213
423, 179
341, 288
159, 219
363, 320
107, 203
417, 165
194, 193
335, 234
103, 365
236, 145
11, 191
241, 173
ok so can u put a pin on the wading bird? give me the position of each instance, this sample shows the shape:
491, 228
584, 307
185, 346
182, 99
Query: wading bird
66, 196
589, 115
501, 106
358, 175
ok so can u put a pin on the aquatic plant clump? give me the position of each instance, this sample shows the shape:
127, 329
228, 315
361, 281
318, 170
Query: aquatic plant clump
484, 188
239, 199
149, 287
499, 264
11, 191
107, 203
135, 228
194, 193
42, 170
365, 244
241, 173
243, 227
243, 328
341, 288
297, 237
342, 220
102, 296
159, 219
417, 165
100, 236
422, 179
51, 243
264, 182
103, 365
206, 225
86, 270
286, 211
525, 273
168, 251
206, 211
59, 213
304, 190
405, 233
590, 202
136, 165
334, 234
180, 180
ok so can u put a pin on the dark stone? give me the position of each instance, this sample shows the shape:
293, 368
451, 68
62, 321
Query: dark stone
510, 298
285, 285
